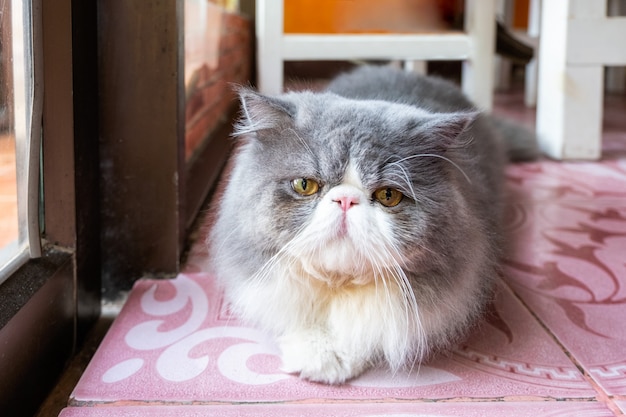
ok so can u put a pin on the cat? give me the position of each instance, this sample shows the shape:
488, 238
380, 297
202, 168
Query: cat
361, 225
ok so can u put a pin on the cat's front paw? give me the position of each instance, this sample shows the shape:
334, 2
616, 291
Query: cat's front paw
313, 355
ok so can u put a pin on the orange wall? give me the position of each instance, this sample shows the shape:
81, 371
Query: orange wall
355, 16
358, 16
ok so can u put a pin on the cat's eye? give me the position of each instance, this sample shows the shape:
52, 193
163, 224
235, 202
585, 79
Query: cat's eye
305, 186
388, 197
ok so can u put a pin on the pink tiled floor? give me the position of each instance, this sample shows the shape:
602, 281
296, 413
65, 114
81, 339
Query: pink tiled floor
553, 344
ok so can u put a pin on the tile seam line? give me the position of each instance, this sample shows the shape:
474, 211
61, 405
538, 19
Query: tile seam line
336, 401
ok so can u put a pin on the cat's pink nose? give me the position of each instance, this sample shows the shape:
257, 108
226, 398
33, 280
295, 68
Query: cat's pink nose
346, 202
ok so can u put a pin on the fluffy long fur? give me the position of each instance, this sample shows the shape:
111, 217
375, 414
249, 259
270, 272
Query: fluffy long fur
345, 289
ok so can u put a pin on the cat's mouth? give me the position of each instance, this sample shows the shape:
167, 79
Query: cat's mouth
341, 231
341, 227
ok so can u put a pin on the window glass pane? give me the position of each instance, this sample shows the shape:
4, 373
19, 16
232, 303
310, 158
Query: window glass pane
20, 129
8, 189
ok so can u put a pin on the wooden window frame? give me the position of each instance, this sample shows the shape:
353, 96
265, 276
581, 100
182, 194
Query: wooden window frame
118, 195
50, 302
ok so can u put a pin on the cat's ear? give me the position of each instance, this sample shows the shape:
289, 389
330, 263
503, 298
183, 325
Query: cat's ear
445, 130
260, 112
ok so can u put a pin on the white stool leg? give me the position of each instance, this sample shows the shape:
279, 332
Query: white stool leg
478, 69
569, 124
269, 33
569, 102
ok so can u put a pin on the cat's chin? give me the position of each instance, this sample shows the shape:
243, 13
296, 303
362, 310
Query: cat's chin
337, 278
345, 281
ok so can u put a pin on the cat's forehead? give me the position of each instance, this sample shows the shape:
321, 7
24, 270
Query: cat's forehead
335, 123
332, 106
334, 136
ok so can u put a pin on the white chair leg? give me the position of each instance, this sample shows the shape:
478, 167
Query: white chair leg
478, 69
569, 102
571, 126
269, 28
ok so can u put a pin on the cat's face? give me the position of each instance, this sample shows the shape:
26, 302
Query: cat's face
345, 189
349, 229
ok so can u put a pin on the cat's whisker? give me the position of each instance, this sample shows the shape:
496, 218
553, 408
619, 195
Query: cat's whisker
407, 188
302, 142
404, 175
408, 307
392, 273
379, 276
267, 270
264, 273
225, 240
410, 302
380, 271
417, 345
434, 155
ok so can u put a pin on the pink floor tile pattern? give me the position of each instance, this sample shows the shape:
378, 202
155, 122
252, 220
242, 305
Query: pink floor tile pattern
175, 341
553, 343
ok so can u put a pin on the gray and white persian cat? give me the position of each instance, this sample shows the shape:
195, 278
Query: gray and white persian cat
362, 224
